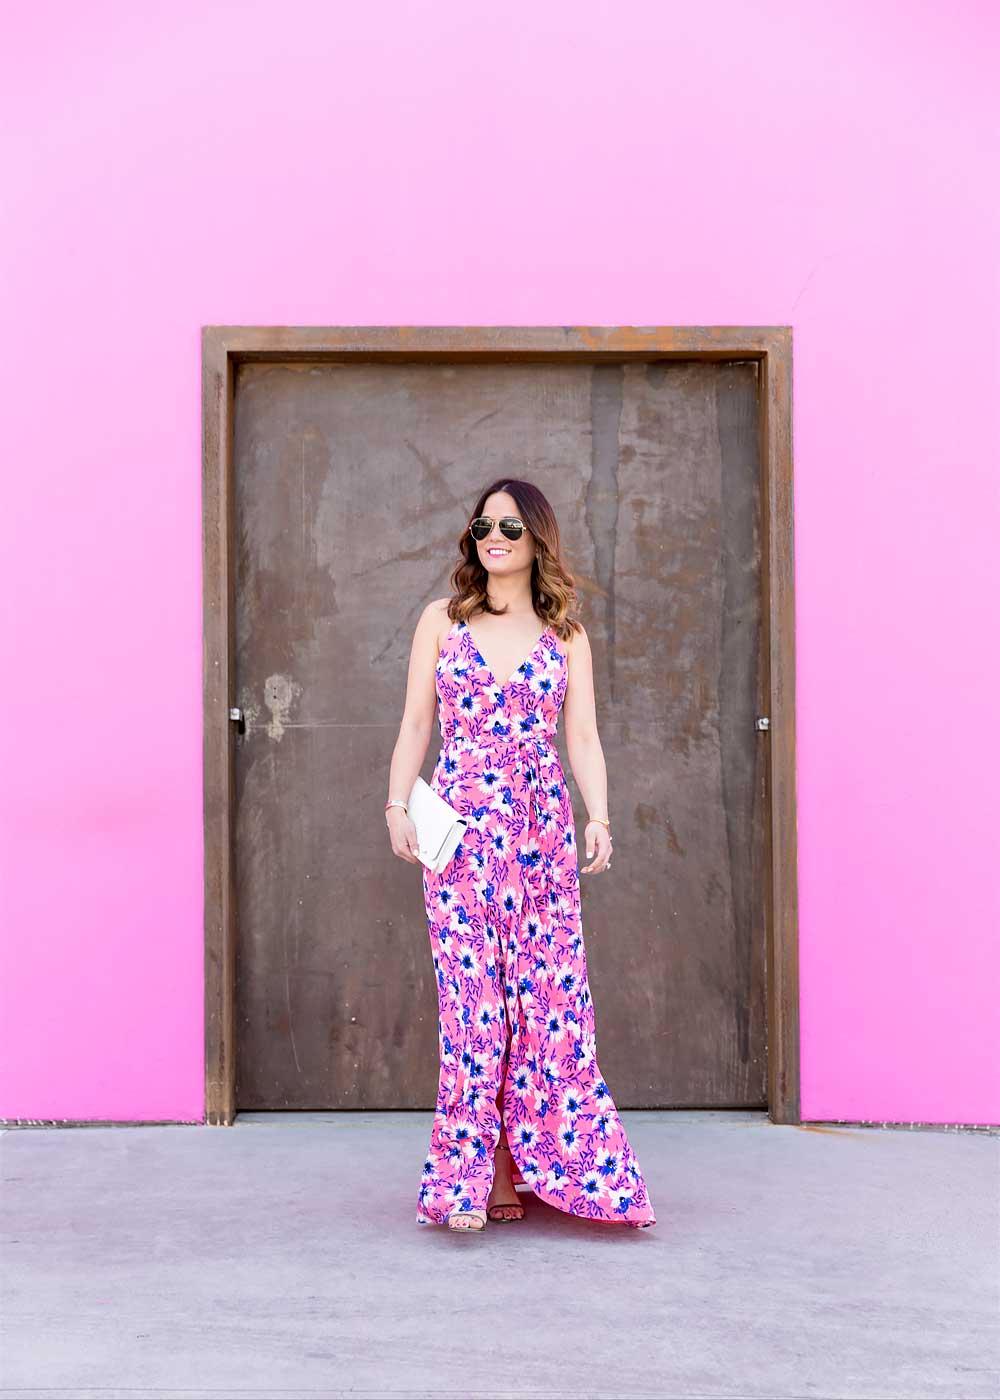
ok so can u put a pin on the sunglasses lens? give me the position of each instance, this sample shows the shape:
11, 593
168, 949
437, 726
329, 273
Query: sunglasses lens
511, 527
481, 527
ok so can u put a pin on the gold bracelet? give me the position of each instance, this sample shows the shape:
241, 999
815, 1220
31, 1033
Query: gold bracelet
601, 820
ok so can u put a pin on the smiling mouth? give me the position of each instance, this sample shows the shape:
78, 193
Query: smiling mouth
498, 552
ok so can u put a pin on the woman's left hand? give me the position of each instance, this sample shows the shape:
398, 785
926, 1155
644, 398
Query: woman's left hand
598, 839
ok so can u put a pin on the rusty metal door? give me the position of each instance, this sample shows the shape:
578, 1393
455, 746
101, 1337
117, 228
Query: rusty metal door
352, 483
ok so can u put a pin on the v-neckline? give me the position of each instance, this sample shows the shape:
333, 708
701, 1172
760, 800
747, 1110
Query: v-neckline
486, 665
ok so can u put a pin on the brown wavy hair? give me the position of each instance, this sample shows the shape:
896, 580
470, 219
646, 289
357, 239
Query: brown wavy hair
553, 593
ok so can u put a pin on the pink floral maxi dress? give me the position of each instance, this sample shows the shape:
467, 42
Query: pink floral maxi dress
507, 943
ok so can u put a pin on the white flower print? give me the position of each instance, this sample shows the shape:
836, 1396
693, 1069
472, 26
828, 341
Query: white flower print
592, 1186
550, 1070
499, 843
558, 1178
522, 1083
525, 1136
608, 1162
554, 1028
467, 962
510, 899
621, 1198
573, 1101
569, 1140
529, 853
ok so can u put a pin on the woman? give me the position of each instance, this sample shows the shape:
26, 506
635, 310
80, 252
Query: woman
519, 1083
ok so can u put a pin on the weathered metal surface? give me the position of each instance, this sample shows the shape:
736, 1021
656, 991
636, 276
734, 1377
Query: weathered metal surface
351, 480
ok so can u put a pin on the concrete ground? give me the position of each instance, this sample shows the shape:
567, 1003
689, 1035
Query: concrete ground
281, 1257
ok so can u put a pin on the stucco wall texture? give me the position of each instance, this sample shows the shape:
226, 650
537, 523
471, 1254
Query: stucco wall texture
828, 167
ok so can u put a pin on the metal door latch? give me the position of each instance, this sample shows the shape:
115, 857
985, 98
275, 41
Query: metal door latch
762, 722
235, 712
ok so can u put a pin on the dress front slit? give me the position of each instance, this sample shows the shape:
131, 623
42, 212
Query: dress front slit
504, 916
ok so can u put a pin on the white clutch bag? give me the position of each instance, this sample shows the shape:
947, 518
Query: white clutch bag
439, 827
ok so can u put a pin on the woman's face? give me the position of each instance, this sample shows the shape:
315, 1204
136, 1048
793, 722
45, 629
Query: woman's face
497, 553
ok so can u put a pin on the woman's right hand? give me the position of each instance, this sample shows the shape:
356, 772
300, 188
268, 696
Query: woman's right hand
403, 835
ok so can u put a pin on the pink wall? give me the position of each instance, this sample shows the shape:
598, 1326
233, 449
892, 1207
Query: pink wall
824, 166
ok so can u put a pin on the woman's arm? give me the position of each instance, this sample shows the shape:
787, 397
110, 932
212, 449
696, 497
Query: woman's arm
583, 747
415, 727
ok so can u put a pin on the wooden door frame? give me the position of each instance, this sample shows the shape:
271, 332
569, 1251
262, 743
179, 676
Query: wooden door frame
224, 347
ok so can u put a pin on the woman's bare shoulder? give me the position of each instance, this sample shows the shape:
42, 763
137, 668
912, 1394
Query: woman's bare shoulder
436, 616
577, 643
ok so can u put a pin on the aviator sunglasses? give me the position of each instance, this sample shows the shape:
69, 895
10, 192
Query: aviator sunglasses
510, 527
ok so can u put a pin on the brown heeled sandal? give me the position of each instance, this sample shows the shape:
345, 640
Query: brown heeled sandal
504, 1205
